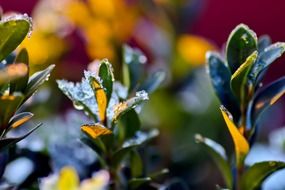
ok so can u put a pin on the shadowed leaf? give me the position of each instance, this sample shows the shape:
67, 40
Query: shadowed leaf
218, 153
252, 179
220, 78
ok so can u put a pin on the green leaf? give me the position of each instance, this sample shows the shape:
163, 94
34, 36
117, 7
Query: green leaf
124, 107
239, 83
136, 164
153, 82
130, 123
264, 99
263, 42
19, 119
135, 183
36, 80
264, 60
107, 77
138, 140
9, 106
6, 142
20, 84
218, 154
133, 67
13, 31
256, 174
241, 43
220, 78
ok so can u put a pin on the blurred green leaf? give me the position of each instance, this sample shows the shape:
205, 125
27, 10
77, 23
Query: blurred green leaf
241, 43
135, 183
20, 84
12, 33
36, 80
153, 81
9, 106
263, 42
5, 142
19, 119
107, 77
256, 174
136, 164
264, 60
133, 64
264, 99
220, 78
239, 78
139, 139
218, 154
12, 72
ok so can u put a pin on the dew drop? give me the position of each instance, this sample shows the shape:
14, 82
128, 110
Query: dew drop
78, 106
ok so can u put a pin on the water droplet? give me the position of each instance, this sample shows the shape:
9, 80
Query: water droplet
78, 106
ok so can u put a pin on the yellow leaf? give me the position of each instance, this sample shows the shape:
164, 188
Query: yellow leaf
101, 99
95, 130
240, 143
68, 179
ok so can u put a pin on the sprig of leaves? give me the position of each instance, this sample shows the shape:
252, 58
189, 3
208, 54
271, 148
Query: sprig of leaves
237, 83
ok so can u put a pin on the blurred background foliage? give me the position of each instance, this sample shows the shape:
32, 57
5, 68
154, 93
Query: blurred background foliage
174, 36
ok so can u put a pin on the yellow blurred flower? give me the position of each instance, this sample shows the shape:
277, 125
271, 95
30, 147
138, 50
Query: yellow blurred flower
69, 180
105, 25
192, 49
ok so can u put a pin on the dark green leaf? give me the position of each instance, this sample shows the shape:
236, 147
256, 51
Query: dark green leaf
20, 84
159, 173
220, 78
264, 60
263, 42
264, 99
12, 32
36, 80
241, 43
107, 76
256, 174
218, 154
135, 183
4, 143
130, 123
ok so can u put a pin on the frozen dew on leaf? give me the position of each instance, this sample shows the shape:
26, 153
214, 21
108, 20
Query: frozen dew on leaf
16, 17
